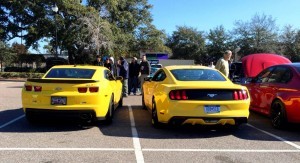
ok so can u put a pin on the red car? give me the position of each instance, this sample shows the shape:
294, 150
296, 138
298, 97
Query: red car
275, 92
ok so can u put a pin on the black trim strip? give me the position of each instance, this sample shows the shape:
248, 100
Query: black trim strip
68, 81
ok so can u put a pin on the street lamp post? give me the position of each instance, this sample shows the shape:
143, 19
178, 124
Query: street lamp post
55, 9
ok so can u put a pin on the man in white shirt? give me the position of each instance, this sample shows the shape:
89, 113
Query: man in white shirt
223, 63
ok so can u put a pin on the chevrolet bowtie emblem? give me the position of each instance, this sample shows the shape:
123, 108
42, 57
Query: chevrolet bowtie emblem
58, 88
211, 95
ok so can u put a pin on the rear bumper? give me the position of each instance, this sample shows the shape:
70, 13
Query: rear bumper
50, 114
207, 121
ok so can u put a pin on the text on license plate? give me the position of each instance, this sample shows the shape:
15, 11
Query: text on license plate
212, 108
58, 100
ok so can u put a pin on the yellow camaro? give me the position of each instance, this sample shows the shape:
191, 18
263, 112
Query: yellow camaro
194, 95
88, 92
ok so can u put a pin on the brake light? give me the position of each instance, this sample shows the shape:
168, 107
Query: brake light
82, 89
94, 89
37, 88
178, 95
28, 87
240, 95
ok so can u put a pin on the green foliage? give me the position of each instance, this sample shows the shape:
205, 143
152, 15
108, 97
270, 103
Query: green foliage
187, 43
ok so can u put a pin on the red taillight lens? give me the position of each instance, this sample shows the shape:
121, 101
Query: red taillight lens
178, 95
240, 95
94, 89
28, 87
82, 89
37, 88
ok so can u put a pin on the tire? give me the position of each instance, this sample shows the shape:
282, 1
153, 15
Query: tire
120, 104
278, 118
154, 117
110, 111
143, 103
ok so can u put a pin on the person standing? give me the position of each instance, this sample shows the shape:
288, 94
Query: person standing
211, 65
107, 64
134, 68
223, 63
98, 61
144, 70
123, 71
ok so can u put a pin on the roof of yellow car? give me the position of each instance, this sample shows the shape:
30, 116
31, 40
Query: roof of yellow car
78, 66
186, 66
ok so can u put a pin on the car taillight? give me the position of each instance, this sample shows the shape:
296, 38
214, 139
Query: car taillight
37, 88
82, 89
240, 95
28, 87
178, 95
94, 89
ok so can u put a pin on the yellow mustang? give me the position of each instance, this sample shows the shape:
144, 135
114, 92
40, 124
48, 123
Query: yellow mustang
89, 92
194, 95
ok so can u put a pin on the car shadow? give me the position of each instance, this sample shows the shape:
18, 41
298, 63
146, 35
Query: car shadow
121, 127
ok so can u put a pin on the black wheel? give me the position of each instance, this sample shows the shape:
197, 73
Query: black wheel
154, 116
143, 102
278, 115
110, 111
120, 104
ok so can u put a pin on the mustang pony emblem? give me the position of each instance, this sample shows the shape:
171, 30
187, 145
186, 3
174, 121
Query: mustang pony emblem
211, 95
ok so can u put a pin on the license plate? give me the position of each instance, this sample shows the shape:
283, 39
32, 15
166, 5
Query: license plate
212, 108
58, 100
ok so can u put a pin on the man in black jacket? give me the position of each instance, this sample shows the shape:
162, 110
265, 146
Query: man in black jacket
134, 70
144, 70
123, 71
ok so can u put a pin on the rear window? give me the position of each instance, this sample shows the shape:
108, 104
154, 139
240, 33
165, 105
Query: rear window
197, 75
71, 73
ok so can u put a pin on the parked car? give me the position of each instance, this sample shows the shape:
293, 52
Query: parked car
275, 92
88, 92
154, 68
194, 95
252, 64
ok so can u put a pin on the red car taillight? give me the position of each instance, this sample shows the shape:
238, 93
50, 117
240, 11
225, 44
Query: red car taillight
240, 95
28, 87
37, 88
94, 89
178, 95
82, 89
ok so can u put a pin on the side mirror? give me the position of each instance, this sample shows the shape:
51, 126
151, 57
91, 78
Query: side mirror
119, 78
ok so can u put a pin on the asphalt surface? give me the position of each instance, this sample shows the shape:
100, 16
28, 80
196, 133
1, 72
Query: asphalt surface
131, 138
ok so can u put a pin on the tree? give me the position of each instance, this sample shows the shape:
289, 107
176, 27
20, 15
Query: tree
289, 43
151, 39
258, 35
6, 55
125, 17
218, 41
187, 43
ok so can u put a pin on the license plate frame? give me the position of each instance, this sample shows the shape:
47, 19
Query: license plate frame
58, 100
212, 109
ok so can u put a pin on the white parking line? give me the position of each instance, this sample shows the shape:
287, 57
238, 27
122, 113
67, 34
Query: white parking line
12, 121
155, 150
275, 136
136, 142
5, 82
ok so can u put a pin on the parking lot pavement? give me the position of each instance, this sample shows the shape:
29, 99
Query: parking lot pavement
131, 138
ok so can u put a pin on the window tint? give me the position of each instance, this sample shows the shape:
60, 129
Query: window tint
71, 73
197, 75
277, 75
264, 75
159, 76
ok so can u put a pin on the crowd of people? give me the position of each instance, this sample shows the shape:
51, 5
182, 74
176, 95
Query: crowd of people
133, 73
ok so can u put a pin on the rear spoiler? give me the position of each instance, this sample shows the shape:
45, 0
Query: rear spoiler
67, 81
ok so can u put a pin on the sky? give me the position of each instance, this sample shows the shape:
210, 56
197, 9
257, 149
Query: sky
209, 14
